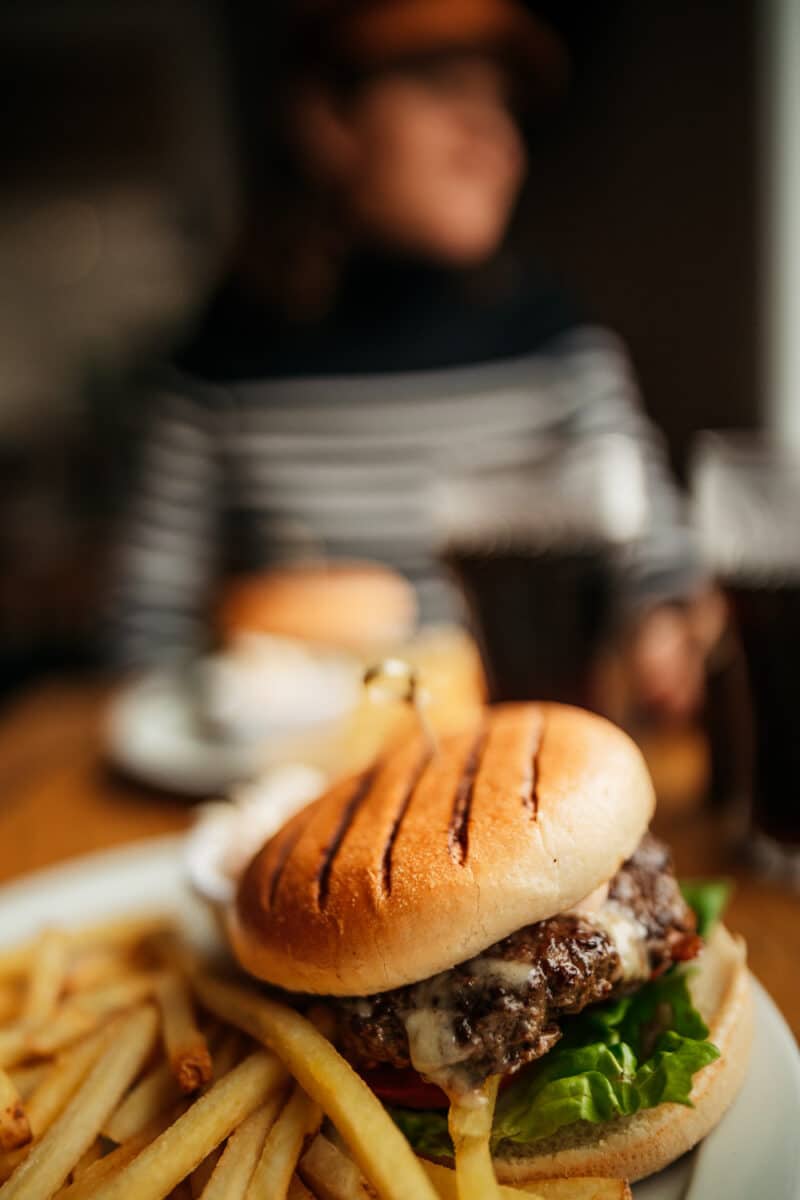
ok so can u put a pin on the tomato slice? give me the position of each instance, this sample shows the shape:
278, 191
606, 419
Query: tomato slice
404, 1087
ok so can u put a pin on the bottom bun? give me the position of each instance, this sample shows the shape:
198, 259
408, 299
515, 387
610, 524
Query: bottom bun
633, 1147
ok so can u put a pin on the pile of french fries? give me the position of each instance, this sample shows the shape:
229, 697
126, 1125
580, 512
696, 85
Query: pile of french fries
129, 1070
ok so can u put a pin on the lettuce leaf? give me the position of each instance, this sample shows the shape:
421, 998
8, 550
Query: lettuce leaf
426, 1130
638, 1052
613, 1060
709, 899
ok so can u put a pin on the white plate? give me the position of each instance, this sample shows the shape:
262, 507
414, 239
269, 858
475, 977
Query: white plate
754, 1152
153, 734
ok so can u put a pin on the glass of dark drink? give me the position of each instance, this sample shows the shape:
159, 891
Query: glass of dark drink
534, 546
746, 494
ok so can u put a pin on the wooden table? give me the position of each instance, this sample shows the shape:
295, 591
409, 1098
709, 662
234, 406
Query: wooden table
58, 800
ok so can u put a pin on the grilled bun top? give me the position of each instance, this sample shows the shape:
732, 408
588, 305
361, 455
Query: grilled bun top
426, 860
349, 605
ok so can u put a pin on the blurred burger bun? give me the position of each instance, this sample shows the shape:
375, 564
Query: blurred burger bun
355, 606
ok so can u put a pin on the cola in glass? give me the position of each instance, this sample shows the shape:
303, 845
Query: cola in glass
540, 614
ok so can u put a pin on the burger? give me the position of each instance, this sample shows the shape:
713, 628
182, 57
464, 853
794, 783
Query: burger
285, 679
345, 605
496, 906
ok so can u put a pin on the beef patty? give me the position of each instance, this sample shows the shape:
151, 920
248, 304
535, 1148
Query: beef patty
500, 1010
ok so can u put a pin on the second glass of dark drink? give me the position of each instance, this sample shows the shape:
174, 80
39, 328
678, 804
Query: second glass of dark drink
534, 546
747, 503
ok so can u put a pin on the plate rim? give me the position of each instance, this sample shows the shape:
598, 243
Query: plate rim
65, 869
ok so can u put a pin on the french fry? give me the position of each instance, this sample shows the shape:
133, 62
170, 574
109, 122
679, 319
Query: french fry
444, 1180
68, 1072
470, 1126
171, 1148
89, 1156
376, 1143
49, 1099
53, 1157
124, 931
298, 1190
284, 1142
96, 967
73, 1020
234, 1170
91, 1007
228, 1054
185, 1045
321, 1016
11, 1160
46, 977
201, 1174
113, 1163
15, 1130
578, 1189
181, 1147
13, 1045
27, 1079
69, 1026
331, 1174
154, 1093
173, 950
123, 993
10, 999
16, 960
120, 932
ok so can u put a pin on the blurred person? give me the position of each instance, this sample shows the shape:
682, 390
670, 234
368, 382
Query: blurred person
378, 328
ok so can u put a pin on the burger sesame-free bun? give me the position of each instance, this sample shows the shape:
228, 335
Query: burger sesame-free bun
428, 859
633, 1147
350, 605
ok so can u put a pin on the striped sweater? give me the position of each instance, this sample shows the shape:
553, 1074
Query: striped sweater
268, 444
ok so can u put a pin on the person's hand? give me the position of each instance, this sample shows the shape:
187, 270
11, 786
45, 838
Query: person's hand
666, 655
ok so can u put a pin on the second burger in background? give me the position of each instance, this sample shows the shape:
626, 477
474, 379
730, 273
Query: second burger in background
294, 644
499, 909
361, 607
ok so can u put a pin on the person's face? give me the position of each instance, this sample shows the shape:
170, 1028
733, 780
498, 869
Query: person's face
429, 160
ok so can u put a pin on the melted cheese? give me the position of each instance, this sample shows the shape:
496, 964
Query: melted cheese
628, 936
434, 1050
512, 973
432, 1042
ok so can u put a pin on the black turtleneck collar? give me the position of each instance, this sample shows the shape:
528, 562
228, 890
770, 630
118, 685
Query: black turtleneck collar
391, 315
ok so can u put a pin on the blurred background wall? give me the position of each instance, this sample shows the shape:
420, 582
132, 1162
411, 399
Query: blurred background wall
645, 198
121, 190
119, 195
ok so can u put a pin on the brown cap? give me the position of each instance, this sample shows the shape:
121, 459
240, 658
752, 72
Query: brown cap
373, 32
427, 859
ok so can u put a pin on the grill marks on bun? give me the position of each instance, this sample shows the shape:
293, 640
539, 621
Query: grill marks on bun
506, 788
531, 798
426, 860
416, 776
458, 828
360, 793
491, 747
284, 848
